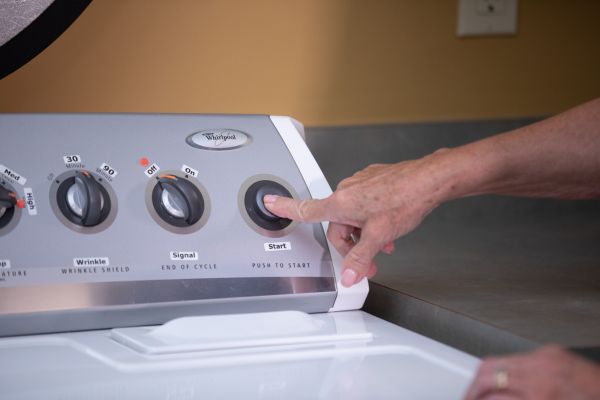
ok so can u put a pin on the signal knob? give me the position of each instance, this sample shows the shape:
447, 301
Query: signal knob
177, 201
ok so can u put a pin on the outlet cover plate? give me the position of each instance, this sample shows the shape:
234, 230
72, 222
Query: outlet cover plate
487, 17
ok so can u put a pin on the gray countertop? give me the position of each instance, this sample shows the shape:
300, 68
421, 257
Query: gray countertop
495, 286
489, 274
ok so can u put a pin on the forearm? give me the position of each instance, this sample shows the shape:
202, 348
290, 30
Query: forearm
558, 157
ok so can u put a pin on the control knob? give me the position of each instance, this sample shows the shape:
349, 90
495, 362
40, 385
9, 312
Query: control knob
83, 200
8, 201
177, 201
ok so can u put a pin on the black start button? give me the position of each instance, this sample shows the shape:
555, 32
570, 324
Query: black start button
258, 213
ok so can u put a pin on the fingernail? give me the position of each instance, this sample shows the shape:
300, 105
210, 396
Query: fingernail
388, 248
270, 198
349, 277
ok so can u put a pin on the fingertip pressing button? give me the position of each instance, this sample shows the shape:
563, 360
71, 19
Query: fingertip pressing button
258, 213
260, 195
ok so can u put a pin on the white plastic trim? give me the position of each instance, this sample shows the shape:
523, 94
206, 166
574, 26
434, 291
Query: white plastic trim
291, 132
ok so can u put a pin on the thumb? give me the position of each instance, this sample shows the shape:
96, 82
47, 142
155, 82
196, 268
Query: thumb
359, 260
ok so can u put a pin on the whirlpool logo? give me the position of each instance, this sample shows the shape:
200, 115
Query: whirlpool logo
218, 139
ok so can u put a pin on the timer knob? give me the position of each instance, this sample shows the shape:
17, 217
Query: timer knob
8, 200
83, 200
177, 201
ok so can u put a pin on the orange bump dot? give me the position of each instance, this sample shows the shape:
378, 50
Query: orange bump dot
21, 203
144, 162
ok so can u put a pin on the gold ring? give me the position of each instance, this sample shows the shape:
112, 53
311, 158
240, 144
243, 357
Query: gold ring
501, 378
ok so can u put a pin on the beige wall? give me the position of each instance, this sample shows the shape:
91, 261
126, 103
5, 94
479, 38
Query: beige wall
322, 61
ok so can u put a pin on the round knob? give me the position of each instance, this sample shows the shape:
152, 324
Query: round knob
253, 200
83, 200
8, 200
177, 201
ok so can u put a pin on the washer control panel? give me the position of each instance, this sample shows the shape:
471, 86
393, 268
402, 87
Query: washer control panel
111, 210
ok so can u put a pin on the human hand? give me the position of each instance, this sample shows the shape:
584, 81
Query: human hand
548, 373
374, 206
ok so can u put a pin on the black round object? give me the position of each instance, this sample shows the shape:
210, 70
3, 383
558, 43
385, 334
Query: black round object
177, 201
94, 202
7, 203
39, 34
253, 201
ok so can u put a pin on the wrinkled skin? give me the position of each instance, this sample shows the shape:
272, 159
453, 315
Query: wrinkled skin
374, 205
557, 157
549, 373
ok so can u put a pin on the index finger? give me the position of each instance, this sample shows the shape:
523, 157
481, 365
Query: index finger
298, 210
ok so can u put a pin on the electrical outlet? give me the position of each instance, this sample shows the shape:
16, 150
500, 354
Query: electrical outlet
487, 17
491, 7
